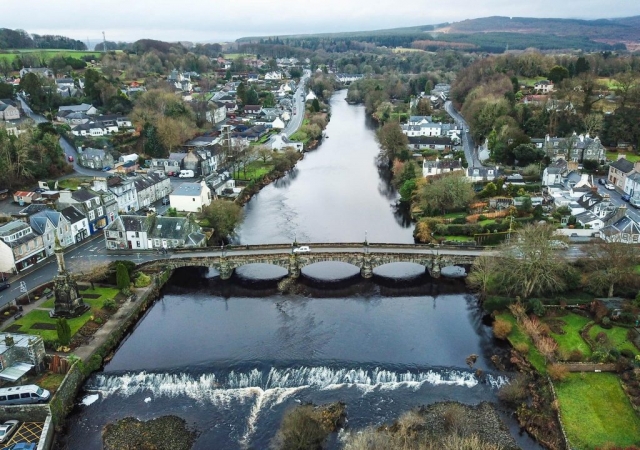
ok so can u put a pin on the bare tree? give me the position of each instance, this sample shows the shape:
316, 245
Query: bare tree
93, 272
483, 273
530, 264
593, 123
610, 264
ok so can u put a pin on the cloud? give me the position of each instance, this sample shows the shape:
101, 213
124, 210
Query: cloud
204, 20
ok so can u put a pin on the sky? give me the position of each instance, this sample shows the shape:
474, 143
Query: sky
221, 21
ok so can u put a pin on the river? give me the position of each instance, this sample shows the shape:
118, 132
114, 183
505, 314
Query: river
230, 358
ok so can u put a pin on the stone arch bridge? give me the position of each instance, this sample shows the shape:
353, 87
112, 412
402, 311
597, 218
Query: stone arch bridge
365, 257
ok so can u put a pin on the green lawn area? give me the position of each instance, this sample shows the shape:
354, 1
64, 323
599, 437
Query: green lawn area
629, 156
42, 316
571, 339
72, 183
454, 215
517, 336
105, 293
530, 81
256, 169
235, 55
459, 238
595, 411
617, 336
48, 53
487, 222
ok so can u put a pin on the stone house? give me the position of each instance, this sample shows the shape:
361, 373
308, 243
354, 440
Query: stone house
141, 233
129, 232
151, 187
123, 190
20, 353
93, 158
27, 247
8, 111
577, 148
621, 228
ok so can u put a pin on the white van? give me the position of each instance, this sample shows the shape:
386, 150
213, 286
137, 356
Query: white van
635, 202
186, 174
21, 395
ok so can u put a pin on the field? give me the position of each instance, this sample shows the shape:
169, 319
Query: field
617, 337
629, 156
571, 339
595, 411
48, 53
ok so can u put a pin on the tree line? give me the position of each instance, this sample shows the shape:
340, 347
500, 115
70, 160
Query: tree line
20, 39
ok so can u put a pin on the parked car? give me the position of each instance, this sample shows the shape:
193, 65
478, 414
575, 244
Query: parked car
39, 190
70, 158
21, 446
106, 169
625, 197
602, 181
302, 249
609, 186
4, 285
7, 429
165, 201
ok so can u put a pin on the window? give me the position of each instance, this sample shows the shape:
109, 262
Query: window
91, 215
13, 397
138, 244
3, 398
25, 395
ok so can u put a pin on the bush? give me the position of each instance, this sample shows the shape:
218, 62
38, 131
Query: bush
142, 280
627, 353
110, 304
514, 392
64, 331
122, 277
558, 372
575, 356
459, 220
482, 217
606, 323
536, 307
501, 328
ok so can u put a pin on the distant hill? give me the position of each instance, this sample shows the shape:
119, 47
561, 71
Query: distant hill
625, 29
490, 34
19, 39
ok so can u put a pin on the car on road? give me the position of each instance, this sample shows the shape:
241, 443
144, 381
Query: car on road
302, 249
7, 429
165, 201
625, 197
70, 158
609, 186
21, 446
106, 169
4, 285
602, 181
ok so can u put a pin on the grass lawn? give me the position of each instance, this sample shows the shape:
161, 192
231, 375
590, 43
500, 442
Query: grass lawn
48, 53
72, 183
595, 411
256, 169
487, 222
517, 336
530, 81
235, 55
459, 238
105, 293
629, 156
571, 339
617, 336
42, 316
455, 215
50, 381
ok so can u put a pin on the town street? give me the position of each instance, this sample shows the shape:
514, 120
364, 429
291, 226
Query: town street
470, 152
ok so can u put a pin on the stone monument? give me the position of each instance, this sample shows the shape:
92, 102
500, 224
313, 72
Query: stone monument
68, 301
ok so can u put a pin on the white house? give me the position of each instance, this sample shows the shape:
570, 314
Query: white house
440, 166
632, 185
78, 222
543, 87
190, 197
7, 263
276, 75
554, 173
281, 141
483, 173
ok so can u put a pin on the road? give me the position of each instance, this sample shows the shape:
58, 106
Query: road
470, 151
298, 103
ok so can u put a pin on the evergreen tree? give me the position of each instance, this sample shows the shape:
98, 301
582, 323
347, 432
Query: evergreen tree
122, 277
252, 97
152, 144
315, 105
242, 93
64, 331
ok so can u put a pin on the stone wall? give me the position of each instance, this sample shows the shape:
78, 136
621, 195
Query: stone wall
65, 396
25, 413
46, 437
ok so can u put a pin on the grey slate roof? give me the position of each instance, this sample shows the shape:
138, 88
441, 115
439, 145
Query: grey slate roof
38, 224
188, 189
72, 214
623, 165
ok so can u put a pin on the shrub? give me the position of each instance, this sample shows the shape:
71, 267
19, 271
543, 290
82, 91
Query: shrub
501, 328
536, 307
98, 320
627, 353
522, 347
110, 304
514, 392
142, 280
575, 356
606, 323
482, 217
122, 277
557, 372
64, 331
459, 220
